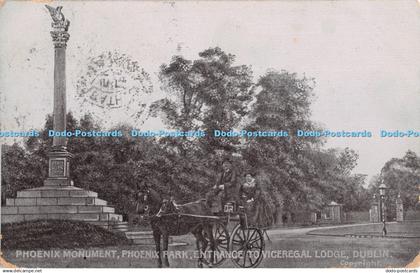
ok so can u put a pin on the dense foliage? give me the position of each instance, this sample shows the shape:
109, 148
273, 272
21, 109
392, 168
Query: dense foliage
209, 93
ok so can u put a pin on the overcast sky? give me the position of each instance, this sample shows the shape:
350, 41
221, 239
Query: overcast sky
364, 56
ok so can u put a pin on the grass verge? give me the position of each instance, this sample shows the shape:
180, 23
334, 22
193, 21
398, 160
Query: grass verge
47, 234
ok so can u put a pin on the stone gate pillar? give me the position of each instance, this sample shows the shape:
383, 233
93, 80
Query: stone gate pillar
400, 209
374, 213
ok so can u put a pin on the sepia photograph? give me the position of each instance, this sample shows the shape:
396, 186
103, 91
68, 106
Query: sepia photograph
210, 134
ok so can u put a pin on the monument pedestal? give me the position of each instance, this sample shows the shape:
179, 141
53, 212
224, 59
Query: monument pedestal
59, 168
59, 199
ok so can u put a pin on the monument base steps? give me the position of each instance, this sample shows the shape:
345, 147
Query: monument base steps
69, 203
64, 203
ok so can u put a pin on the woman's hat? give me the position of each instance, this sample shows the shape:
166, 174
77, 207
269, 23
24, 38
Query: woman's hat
250, 171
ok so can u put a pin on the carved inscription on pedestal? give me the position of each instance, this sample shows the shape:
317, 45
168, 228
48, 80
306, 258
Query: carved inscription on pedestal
57, 168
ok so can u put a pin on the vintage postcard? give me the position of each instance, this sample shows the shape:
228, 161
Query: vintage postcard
210, 134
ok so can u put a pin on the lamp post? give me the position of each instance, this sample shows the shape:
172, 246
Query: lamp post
382, 193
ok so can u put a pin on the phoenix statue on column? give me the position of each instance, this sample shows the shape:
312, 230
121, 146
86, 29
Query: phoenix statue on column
58, 17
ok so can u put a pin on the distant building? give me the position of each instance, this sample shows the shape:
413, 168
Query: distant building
332, 213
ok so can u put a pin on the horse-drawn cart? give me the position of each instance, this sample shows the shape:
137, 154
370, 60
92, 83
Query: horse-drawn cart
233, 237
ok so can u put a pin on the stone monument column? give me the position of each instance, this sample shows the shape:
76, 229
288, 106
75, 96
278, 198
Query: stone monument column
58, 199
59, 157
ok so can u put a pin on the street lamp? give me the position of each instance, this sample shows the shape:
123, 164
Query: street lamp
382, 192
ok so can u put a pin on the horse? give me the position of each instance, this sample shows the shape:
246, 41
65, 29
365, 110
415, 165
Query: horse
164, 221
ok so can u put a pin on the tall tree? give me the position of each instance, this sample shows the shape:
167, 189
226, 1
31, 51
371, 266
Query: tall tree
283, 104
209, 93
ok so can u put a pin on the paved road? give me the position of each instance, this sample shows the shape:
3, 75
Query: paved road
292, 248
302, 231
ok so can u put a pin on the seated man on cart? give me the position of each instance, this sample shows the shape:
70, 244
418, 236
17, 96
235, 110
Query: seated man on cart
226, 189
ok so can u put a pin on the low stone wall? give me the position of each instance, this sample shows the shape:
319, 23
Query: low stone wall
412, 215
307, 218
357, 217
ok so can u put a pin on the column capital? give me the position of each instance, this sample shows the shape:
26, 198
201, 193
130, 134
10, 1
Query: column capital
60, 26
60, 38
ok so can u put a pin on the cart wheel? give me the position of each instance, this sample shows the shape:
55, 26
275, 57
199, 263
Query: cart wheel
221, 245
246, 246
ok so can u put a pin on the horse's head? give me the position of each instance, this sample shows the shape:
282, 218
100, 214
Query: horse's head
148, 200
142, 206
168, 206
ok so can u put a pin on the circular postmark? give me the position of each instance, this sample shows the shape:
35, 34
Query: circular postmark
114, 84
